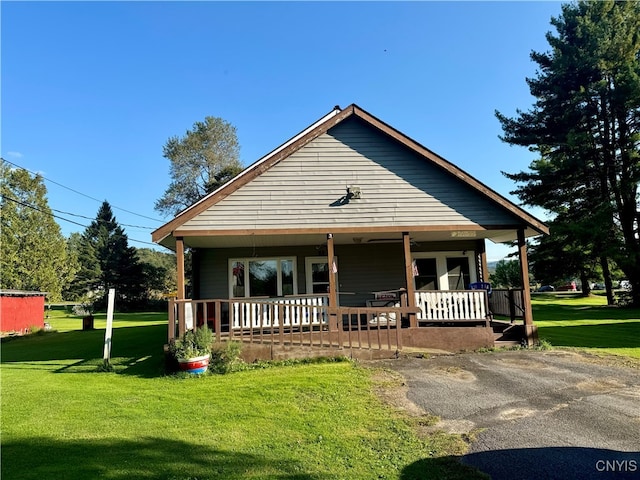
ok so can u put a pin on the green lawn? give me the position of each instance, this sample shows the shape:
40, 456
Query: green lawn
568, 320
63, 419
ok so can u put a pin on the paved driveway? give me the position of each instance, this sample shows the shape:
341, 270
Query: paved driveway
540, 415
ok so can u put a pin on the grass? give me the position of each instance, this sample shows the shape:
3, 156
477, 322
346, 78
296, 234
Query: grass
62, 419
569, 320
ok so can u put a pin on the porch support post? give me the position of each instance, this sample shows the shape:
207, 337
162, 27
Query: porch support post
180, 267
530, 329
482, 253
408, 269
180, 294
333, 291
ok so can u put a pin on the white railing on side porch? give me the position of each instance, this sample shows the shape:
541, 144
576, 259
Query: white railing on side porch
274, 312
452, 305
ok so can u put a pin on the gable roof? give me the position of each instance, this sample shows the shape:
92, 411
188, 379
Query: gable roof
333, 118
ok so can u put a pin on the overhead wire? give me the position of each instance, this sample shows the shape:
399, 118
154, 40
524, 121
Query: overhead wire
80, 193
64, 219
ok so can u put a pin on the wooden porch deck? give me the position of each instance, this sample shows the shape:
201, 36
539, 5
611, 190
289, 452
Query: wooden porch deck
306, 326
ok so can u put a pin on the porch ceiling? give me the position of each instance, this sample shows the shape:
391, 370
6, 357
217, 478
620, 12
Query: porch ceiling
289, 239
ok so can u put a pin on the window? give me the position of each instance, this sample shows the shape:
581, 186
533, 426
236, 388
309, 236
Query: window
317, 269
458, 273
427, 278
262, 277
444, 270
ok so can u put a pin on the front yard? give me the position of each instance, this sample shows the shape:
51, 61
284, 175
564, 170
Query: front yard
569, 320
62, 419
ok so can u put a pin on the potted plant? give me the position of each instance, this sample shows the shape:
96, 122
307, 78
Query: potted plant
193, 350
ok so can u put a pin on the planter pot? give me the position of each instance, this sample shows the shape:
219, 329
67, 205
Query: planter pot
87, 322
194, 365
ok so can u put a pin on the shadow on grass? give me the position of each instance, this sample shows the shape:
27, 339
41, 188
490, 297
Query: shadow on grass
147, 458
135, 350
606, 335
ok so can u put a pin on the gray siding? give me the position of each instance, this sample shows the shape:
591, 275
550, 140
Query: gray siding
308, 188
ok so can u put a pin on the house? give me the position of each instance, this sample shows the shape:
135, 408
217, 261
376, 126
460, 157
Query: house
350, 235
21, 310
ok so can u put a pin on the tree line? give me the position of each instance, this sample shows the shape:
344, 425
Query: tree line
35, 256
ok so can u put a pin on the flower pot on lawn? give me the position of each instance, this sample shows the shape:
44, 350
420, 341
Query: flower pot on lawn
195, 365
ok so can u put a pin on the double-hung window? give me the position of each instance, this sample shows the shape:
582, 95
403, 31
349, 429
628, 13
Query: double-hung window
262, 277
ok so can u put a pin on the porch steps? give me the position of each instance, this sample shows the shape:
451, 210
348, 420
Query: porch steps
507, 334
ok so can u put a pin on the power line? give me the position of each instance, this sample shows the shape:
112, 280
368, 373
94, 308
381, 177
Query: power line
33, 207
89, 218
80, 193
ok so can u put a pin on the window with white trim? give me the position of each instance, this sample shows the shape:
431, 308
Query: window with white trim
444, 270
317, 270
262, 277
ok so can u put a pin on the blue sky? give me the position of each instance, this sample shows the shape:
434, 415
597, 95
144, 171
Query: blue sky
91, 91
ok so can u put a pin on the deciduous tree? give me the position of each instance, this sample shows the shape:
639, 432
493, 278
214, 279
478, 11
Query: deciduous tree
201, 161
33, 251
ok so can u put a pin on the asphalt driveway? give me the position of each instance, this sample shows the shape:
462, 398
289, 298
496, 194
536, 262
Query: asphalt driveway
535, 414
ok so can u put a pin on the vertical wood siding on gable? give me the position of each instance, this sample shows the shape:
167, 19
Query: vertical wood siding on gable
308, 188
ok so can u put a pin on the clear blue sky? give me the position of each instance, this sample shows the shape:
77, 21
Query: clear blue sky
92, 91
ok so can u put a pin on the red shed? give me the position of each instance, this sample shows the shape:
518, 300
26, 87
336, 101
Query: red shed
20, 310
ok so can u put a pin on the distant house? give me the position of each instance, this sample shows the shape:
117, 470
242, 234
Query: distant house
350, 235
21, 310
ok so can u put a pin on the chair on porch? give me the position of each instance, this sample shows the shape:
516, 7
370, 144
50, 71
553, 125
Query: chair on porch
484, 286
382, 319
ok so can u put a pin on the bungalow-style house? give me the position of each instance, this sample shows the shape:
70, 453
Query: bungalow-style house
349, 236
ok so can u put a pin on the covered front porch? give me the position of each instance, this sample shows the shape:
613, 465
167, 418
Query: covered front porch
360, 294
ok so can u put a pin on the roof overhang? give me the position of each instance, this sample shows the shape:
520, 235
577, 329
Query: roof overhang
316, 236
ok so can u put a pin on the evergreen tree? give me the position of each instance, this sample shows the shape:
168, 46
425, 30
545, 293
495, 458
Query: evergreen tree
33, 252
585, 125
108, 261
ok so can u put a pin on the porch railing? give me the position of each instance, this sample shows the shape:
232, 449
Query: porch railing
309, 321
452, 306
507, 302
297, 311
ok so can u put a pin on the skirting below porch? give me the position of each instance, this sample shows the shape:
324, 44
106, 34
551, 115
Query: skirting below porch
414, 339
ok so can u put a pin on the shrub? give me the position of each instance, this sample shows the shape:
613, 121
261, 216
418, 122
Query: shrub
192, 344
225, 357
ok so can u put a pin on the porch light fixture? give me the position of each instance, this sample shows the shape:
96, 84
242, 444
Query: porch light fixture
353, 193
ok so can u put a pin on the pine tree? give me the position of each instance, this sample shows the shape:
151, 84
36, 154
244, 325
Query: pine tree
108, 261
585, 125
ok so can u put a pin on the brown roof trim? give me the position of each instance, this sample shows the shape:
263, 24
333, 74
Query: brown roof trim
322, 127
331, 229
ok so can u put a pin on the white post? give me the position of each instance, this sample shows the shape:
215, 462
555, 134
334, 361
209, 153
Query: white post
107, 333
